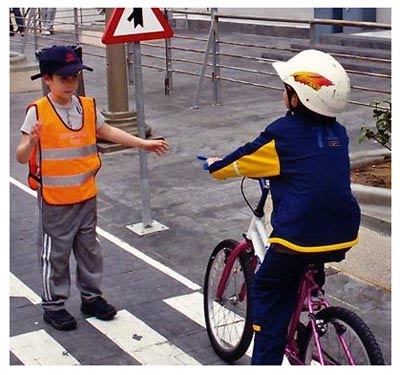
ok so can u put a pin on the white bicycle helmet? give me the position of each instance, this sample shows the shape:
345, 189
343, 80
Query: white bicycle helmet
319, 81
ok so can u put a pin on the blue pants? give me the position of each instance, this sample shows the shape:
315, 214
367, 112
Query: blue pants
275, 290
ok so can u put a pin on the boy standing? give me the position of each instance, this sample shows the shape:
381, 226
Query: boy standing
315, 217
59, 141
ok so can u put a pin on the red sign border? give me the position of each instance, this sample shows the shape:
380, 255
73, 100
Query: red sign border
109, 37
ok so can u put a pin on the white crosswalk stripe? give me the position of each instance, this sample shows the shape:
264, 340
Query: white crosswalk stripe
140, 341
39, 348
19, 289
190, 305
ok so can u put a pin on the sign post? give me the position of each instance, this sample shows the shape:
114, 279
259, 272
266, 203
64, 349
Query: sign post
133, 25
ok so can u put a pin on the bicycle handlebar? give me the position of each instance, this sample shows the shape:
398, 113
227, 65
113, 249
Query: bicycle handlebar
203, 158
264, 186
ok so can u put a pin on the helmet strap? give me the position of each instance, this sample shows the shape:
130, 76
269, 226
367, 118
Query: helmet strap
289, 93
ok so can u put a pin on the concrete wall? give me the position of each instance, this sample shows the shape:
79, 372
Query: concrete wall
384, 15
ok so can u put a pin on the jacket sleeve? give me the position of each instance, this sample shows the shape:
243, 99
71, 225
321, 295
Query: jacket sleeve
255, 159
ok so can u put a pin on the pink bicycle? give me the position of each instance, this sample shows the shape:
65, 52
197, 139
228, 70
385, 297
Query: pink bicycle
318, 333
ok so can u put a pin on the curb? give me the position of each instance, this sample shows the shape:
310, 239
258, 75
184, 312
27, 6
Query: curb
375, 202
361, 158
372, 195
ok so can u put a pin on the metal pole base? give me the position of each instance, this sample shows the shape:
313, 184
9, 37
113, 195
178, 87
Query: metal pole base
142, 230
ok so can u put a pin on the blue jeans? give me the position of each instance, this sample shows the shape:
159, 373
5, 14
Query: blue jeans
275, 290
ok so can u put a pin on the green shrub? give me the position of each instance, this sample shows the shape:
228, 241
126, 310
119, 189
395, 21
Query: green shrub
383, 124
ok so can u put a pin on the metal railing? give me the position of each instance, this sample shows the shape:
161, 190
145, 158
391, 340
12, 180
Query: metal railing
218, 57
216, 41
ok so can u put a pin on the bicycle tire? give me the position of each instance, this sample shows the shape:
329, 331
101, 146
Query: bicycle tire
362, 344
229, 321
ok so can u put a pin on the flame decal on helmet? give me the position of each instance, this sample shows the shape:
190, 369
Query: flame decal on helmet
314, 80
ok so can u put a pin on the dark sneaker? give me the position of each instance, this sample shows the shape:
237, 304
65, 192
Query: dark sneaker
60, 319
99, 308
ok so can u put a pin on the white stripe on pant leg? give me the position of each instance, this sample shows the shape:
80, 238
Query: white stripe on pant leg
46, 266
43, 264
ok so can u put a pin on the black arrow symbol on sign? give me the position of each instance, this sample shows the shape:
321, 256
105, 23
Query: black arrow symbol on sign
137, 16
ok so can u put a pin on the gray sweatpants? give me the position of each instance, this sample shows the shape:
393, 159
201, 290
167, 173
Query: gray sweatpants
63, 229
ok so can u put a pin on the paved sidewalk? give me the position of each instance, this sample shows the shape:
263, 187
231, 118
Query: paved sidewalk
199, 211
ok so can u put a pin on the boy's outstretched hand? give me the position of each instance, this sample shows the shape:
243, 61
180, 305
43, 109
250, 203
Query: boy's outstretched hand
157, 146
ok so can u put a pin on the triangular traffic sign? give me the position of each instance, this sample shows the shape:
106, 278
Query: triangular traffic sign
136, 24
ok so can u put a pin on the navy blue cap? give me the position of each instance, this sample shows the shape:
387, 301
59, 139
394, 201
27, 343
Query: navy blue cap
60, 60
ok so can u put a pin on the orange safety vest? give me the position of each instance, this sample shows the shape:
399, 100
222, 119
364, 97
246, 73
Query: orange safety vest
65, 161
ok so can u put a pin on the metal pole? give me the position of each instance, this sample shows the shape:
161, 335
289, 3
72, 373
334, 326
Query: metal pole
168, 59
76, 25
36, 22
215, 48
145, 188
148, 225
130, 63
204, 66
313, 34
81, 86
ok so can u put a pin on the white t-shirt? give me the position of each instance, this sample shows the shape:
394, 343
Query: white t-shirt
71, 116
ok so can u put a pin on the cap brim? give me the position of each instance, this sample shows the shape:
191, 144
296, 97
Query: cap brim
70, 70
65, 71
36, 76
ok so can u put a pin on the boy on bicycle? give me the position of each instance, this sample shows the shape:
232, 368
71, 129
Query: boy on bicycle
59, 141
315, 217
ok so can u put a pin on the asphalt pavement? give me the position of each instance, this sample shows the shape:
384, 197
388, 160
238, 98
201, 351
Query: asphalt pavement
155, 281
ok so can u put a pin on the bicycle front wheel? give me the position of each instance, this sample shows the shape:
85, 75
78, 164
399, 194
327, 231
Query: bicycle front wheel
228, 319
336, 325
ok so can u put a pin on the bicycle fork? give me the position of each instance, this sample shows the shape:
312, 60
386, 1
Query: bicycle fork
242, 246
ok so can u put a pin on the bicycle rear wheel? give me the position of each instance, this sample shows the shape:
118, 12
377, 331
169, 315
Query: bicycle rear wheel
228, 320
334, 322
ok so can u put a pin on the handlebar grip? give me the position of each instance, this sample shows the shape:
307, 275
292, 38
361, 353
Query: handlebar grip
203, 158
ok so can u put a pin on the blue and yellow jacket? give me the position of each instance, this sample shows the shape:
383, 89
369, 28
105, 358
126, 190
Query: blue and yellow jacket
308, 166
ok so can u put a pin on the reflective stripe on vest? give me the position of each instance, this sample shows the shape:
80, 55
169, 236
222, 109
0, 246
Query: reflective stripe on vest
75, 180
68, 158
68, 153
